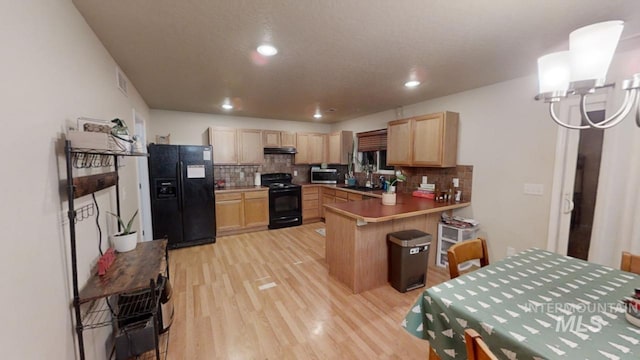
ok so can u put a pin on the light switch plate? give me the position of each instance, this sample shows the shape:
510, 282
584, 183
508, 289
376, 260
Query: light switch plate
534, 189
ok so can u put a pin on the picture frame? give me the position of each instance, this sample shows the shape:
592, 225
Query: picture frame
94, 125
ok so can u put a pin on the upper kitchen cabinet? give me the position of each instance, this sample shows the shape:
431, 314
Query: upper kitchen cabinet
399, 139
302, 156
424, 141
250, 148
273, 138
287, 139
311, 148
340, 144
236, 146
317, 148
225, 145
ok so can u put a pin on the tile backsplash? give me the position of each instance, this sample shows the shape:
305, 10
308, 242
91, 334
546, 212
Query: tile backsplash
442, 177
243, 175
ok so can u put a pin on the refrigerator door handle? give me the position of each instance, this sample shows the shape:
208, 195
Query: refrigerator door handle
180, 186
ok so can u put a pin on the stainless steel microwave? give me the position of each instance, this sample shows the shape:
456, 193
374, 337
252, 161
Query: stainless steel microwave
324, 176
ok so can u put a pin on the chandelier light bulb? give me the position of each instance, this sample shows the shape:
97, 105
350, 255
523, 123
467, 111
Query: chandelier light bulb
554, 72
592, 48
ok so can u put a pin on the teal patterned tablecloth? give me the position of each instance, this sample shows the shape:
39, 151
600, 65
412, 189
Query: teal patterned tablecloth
533, 305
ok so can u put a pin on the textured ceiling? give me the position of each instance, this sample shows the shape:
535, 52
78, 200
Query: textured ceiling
350, 55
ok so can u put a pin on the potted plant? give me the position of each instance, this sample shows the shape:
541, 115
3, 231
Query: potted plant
120, 132
389, 196
126, 240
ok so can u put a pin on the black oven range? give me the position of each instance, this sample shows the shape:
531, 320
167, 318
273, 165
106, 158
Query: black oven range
285, 200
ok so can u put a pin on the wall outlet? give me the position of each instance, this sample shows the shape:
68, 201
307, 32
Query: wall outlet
295, 172
456, 182
511, 251
534, 189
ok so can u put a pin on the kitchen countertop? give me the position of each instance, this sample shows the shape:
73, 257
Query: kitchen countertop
406, 206
228, 189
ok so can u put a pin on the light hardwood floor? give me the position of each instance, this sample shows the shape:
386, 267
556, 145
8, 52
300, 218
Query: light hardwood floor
222, 313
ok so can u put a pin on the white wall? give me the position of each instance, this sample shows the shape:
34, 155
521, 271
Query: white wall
509, 139
54, 70
191, 128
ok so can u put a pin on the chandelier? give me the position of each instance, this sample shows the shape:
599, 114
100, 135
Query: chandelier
582, 70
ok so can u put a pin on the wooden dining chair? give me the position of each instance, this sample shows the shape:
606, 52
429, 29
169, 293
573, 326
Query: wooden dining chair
465, 251
630, 263
477, 349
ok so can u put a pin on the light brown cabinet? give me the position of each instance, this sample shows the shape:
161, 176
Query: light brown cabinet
225, 145
236, 146
302, 155
256, 208
242, 211
317, 148
273, 138
399, 140
311, 148
310, 203
288, 139
340, 144
270, 138
229, 212
328, 197
425, 141
250, 149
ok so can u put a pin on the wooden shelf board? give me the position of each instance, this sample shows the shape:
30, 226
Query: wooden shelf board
131, 271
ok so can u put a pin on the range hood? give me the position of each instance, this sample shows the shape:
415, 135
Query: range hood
280, 150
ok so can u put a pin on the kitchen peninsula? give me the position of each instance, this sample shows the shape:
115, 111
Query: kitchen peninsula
356, 235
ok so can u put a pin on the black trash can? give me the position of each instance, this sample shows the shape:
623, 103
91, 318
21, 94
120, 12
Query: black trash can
408, 259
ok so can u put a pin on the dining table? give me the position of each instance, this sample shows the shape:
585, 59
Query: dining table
533, 305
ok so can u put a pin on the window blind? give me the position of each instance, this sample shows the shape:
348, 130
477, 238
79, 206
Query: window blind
374, 140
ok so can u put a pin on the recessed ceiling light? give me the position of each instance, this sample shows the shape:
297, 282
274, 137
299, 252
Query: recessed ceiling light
412, 83
267, 50
317, 115
227, 104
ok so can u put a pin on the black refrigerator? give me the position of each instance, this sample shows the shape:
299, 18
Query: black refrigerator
182, 197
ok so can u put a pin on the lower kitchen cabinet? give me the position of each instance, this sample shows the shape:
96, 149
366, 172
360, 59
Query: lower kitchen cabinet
310, 203
229, 212
256, 208
342, 196
241, 211
328, 197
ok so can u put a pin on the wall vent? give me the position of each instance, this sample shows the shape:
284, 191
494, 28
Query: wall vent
121, 81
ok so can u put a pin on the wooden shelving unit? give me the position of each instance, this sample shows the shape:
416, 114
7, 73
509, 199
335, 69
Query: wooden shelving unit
96, 303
